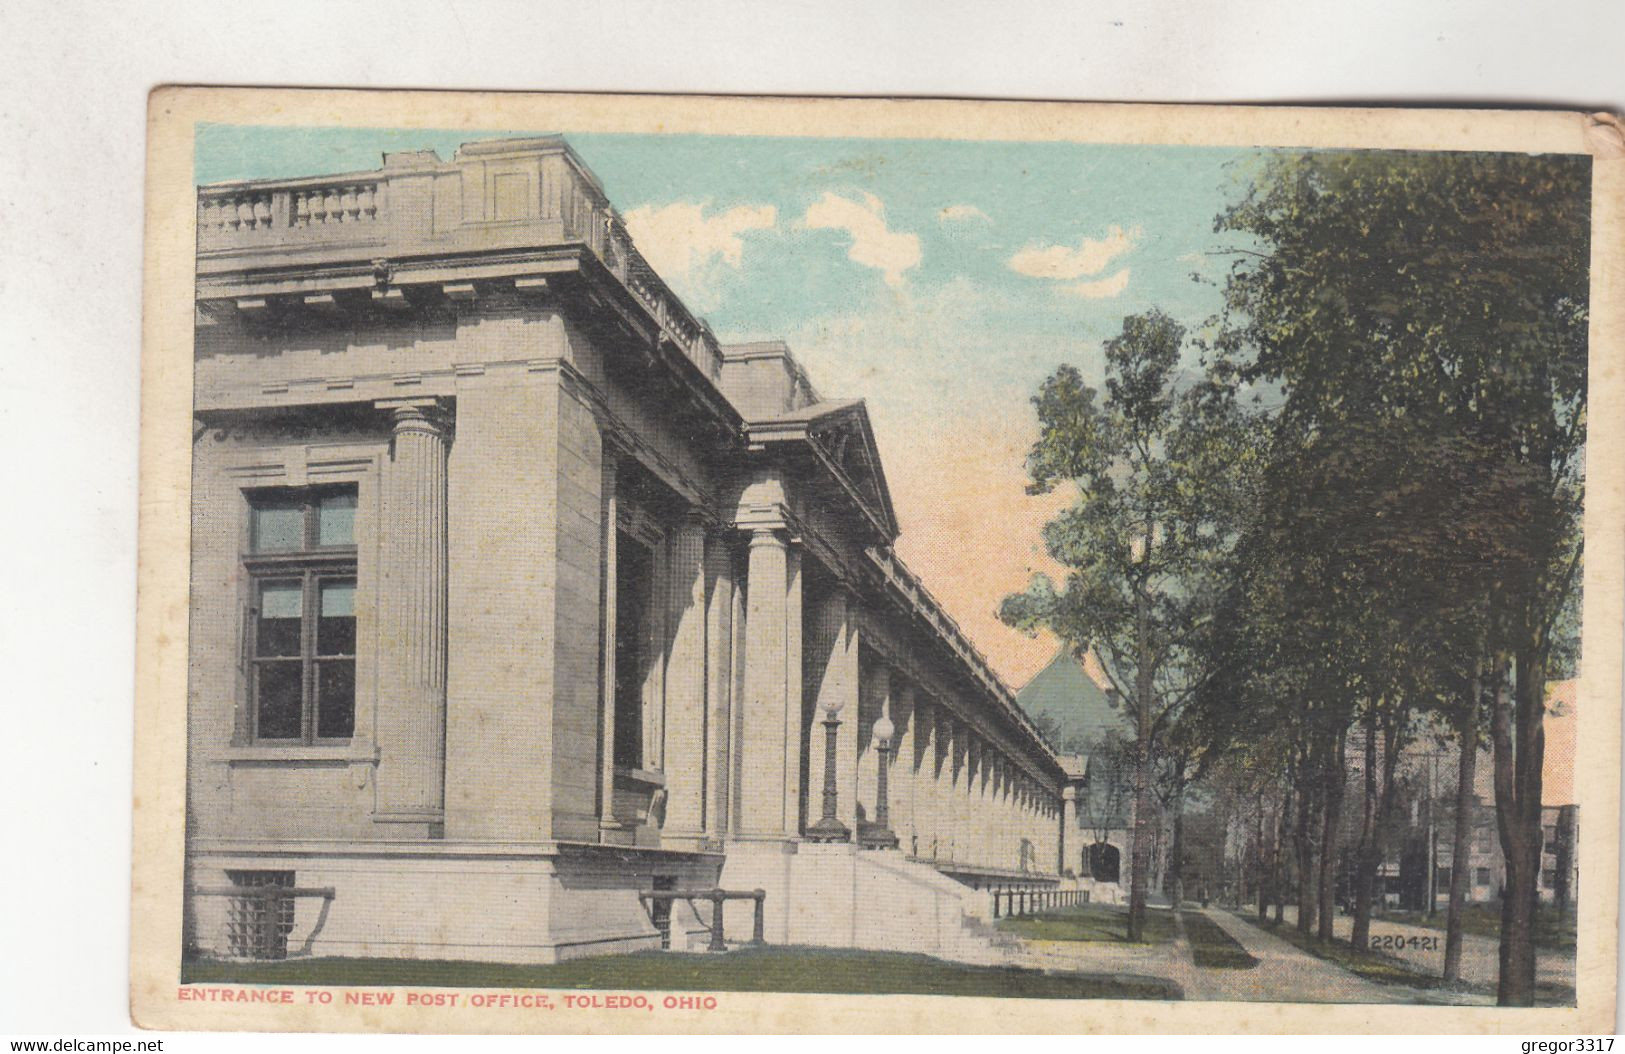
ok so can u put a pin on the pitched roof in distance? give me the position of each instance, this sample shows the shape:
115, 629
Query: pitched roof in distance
1070, 694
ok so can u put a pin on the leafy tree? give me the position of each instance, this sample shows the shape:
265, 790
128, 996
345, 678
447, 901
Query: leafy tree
1151, 463
1438, 302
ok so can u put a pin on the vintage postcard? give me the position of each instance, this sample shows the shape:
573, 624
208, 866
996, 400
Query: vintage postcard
690, 564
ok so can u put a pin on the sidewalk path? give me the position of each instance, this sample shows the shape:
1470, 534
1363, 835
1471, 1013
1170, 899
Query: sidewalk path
1283, 974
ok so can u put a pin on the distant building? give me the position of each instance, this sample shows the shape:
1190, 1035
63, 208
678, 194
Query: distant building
1426, 824
1072, 701
1560, 813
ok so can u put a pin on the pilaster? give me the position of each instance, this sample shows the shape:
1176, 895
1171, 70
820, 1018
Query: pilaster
411, 718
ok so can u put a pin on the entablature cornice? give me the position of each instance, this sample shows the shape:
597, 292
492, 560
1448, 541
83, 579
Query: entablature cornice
497, 208
905, 592
889, 643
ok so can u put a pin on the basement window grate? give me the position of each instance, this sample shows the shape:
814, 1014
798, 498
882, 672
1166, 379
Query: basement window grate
259, 919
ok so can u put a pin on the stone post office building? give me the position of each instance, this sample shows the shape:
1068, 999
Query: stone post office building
516, 594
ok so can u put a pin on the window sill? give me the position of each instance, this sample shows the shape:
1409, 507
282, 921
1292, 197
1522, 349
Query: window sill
343, 753
643, 776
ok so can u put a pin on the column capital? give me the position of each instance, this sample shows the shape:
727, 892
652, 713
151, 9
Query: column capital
424, 415
694, 519
765, 536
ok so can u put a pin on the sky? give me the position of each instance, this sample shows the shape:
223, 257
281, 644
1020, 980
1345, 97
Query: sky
941, 281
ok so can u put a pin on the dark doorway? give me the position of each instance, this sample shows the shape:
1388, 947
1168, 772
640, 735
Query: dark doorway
633, 565
1103, 862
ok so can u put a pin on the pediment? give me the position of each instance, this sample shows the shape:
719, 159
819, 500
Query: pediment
839, 436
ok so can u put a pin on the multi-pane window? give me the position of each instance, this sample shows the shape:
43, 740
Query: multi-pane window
300, 626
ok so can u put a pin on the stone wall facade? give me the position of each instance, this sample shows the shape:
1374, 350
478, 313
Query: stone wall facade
517, 595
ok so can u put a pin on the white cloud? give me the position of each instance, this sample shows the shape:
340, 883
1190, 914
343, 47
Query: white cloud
874, 244
1062, 263
680, 239
1104, 289
962, 214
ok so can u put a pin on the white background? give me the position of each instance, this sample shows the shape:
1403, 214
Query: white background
73, 82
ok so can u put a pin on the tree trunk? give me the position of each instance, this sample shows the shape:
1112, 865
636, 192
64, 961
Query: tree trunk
1305, 846
1140, 862
1335, 779
1562, 895
1278, 861
1519, 750
1393, 730
1174, 882
1365, 876
1462, 837
1265, 866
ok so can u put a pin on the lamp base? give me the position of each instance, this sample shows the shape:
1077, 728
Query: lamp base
876, 836
829, 829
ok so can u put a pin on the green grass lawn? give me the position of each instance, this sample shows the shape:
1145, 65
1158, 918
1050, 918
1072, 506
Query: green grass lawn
1213, 948
762, 969
1090, 922
1553, 932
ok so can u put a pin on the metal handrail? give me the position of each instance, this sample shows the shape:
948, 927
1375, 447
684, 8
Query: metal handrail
717, 897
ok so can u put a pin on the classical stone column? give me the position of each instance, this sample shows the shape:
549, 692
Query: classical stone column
685, 682
1019, 820
998, 832
948, 783
411, 717
608, 635
763, 718
905, 759
794, 730
987, 790
982, 804
657, 639
1056, 809
1069, 825
1034, 822
1013, 814
969, 851
719, 687
981, 796
925, 777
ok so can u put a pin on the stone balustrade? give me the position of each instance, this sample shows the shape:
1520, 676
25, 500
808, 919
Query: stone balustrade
244, 219
532, 196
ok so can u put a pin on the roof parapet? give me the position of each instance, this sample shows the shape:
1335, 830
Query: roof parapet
507, 199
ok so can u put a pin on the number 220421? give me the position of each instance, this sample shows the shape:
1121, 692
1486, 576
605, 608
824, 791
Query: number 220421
1399, 942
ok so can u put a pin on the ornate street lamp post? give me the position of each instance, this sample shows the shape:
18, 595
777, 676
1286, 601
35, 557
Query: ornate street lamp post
829, 828
878, 835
